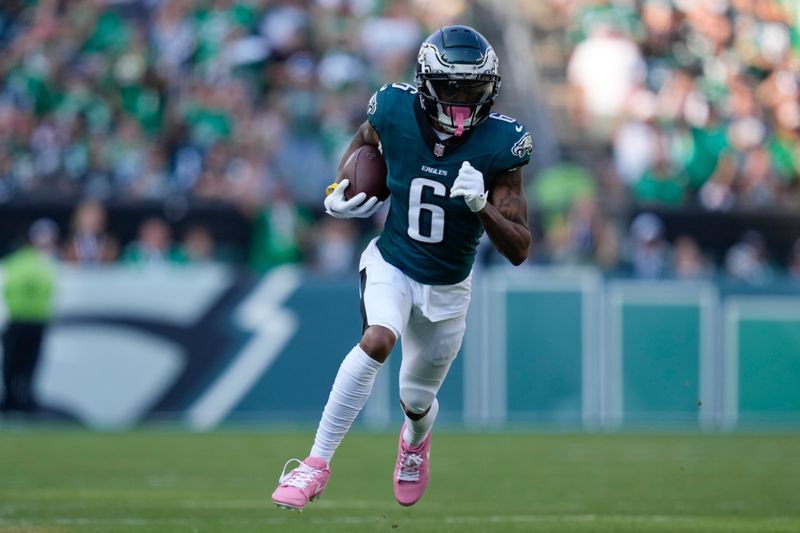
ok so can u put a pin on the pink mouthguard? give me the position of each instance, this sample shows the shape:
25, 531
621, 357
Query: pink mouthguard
459, 114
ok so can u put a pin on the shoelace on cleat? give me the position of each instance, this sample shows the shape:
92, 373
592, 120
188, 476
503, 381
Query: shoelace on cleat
300, 477
409, 466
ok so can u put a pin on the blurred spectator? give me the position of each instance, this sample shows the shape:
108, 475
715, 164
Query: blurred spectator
153, 247
688, 261
748, 260
197, 246
582, 225
280, 233
718, 193
662, 182
173, 38
592, 237
649, 253
569, 230
586, 237
759, 184
661, 25
556, 188
637, 139
608, 250
391, 39
88, 241
30, 276
153, 182
706, 144
604, 70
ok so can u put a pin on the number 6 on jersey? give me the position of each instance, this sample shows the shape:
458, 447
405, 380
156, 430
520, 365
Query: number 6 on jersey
417, 209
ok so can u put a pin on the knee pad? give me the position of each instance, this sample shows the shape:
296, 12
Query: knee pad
416, 398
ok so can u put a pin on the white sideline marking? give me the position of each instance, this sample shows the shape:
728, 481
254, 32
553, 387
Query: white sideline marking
272, 328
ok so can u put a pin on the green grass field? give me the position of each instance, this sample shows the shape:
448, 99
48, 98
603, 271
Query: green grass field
172, 481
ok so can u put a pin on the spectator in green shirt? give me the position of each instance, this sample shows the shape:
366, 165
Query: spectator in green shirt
663, 183
154, 247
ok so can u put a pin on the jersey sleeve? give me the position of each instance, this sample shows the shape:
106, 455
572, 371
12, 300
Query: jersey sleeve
376, 110
517, 150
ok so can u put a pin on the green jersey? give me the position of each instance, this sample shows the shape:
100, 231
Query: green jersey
429, 236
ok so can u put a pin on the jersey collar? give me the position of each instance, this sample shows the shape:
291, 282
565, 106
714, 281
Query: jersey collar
439, 148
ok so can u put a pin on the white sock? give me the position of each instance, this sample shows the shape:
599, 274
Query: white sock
350, 391
417, 430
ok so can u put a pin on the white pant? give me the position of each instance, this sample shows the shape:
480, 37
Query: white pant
430, 320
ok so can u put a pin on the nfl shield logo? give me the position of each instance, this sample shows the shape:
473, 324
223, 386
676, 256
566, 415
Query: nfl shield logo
438, 150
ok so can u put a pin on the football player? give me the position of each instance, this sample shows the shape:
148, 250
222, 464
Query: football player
454, 171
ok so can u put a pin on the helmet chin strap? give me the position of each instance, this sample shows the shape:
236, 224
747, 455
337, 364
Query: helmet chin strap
459, 115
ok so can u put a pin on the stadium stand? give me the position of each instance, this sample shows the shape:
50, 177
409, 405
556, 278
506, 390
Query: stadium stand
688, 109
229, 116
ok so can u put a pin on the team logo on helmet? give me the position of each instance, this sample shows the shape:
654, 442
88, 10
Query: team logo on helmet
524, 146
431, 61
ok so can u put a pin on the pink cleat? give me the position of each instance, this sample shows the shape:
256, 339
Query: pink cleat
411, 472
301, 485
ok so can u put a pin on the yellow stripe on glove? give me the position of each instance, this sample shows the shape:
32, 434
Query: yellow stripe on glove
330, 188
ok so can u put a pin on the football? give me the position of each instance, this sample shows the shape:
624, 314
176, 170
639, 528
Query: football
366, 170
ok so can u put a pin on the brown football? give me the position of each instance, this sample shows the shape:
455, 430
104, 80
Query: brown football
366, 170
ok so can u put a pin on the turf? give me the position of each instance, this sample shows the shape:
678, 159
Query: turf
173, 481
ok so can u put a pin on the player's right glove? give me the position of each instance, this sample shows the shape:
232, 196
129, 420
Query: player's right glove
356, 207
469, 184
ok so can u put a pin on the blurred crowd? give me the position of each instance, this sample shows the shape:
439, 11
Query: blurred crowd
250, 103
244, 102
698, 99
216, 99
682, 106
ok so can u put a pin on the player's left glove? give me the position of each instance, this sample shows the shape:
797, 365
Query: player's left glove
469, 184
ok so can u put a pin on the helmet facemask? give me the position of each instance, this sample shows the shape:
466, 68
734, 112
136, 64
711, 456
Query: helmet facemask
457, 105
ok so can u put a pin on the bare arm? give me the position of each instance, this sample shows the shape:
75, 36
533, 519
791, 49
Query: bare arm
505, 217
366, 135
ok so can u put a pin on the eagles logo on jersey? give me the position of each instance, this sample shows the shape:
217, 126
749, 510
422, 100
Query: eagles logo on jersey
524, 146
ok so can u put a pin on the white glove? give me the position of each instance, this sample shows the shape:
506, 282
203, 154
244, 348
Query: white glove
469, 184
336, 206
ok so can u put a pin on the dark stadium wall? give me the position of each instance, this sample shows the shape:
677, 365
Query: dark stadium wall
227, 224
716, 232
